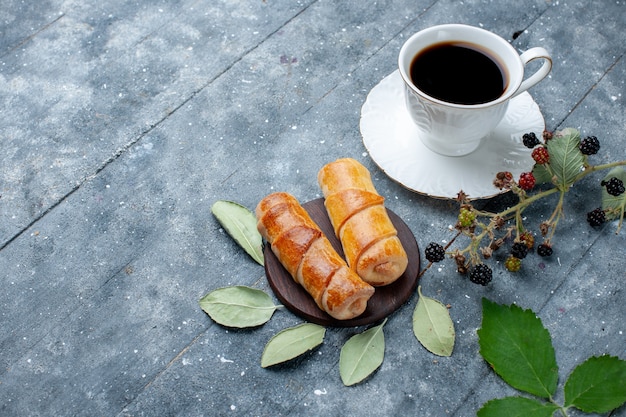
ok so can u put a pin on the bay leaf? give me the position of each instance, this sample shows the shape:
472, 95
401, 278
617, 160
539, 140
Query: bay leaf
240, 224
292, 342
516, 407
519, 348
238, 306
597, 385
362, 354
433, 326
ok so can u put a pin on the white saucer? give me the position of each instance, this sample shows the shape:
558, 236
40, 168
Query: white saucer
392, 141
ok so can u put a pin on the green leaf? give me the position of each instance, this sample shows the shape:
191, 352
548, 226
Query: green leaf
518, 348
240, 224
238, 306
362, 354
433, 326
614, 205
542, 174
566, 160
516, 407
291, 343
597, 385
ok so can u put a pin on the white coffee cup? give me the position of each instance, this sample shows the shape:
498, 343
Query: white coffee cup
454, 129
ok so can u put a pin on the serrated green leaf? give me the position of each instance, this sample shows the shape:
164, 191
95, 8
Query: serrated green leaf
433, 326
516, 407
518, 348
361, 355
541, 174
240, 224
238, 306
597, 385
291, 343
566, 160
614, 205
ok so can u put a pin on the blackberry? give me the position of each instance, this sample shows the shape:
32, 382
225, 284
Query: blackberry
435, 252
513, 264
590, 145
596, 217
480, 274
519, 250
530, 140
614, 186
540, 155
544, 250
526, 181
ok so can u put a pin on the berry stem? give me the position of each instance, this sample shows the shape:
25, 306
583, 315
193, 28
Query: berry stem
563, 409
556, 215
593, 168
525, 203
487, 229
518, 223
621, 217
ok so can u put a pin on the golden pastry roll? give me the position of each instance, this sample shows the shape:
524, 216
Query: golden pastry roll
369, 239
308, 256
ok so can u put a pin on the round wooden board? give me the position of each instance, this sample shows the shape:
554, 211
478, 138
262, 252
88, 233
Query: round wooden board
385, 300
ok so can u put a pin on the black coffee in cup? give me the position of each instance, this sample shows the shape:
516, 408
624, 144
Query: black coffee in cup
458, 72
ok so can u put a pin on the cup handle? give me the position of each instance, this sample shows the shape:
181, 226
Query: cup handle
530, 55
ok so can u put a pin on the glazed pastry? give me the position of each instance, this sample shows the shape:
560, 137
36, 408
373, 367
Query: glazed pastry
308, 256
360, 220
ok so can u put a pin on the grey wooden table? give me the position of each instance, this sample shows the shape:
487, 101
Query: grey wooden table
121, 123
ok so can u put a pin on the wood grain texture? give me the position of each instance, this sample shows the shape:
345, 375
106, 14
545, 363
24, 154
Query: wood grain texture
123, 121
385, 301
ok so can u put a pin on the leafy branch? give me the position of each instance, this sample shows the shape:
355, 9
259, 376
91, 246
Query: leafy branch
561, 160
519, 349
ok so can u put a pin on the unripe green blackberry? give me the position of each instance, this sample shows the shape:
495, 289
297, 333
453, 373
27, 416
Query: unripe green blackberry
480, 274
466, 217
513, 264
435, 252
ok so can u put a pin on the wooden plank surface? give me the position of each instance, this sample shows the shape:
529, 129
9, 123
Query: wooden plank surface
122, 122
